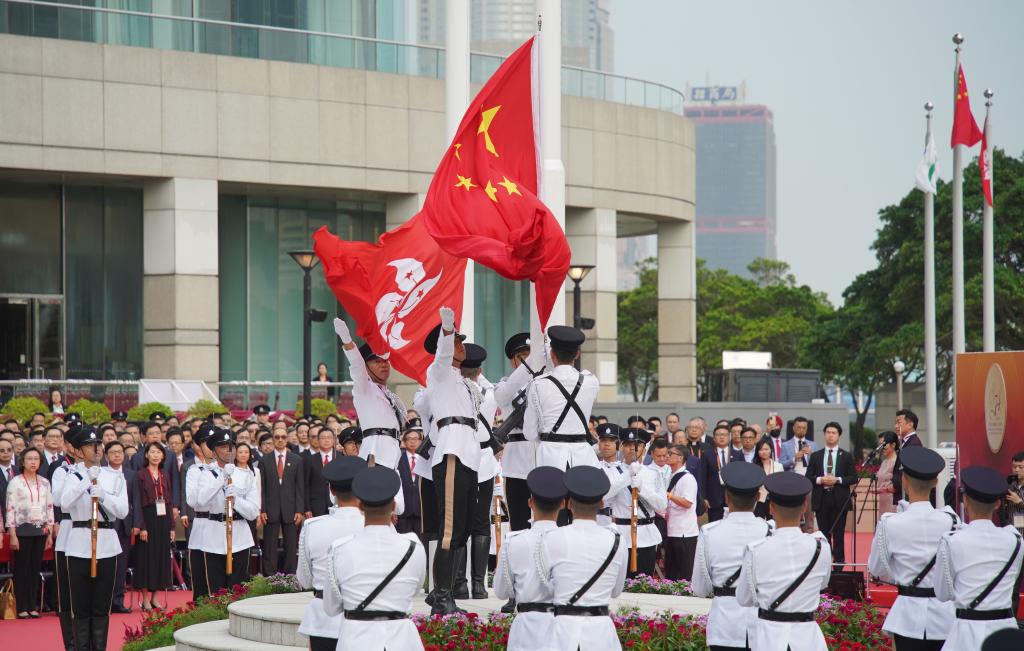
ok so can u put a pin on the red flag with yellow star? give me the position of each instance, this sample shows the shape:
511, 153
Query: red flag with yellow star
483, 204
965, 129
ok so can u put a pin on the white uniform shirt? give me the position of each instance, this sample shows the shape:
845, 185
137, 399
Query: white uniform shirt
315, 541
516, 577
652, 499
421, 403
357, 567
568, 557
769, 567
488, 408
543, 407
377, 407
197, 525
969, 559
75, 499
903, 545
452, 395
518, 457
720, 550
57, 480
680, 521
212, 499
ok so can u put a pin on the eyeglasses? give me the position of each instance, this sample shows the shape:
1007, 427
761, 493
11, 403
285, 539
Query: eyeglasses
281, 437
675, 454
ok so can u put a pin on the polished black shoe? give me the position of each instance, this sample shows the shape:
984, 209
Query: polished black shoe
120, 610
509, 607
460, 588
479, 554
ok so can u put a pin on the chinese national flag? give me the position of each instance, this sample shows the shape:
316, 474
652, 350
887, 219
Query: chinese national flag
393, 289
965, 129
483, 204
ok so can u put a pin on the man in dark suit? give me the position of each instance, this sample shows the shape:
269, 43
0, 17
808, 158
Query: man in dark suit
409, 521
284, 502
834, 474
318, 499
123, 526
906, 429
720, 454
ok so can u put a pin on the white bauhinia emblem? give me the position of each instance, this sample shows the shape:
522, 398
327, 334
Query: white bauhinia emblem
395, 306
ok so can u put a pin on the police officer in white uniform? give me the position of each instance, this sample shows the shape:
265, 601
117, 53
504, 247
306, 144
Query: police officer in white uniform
197, 570
316, 539
559, 403
516, 577
64, 526
216, 485
783, 575
374, 575
91, 596
618, 476
904, 551
519, 455
585, 566
979, 565
651, 499
721, 546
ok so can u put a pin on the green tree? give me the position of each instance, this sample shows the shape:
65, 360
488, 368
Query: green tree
638, 334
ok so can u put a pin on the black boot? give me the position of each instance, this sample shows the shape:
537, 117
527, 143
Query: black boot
460, 589
509, 607
67, 631
100, 626
444, 604
83, 633
481, 551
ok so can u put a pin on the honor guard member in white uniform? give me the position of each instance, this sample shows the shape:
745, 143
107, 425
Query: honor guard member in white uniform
783, 575
351, 439
455, 409
381, 412
516, 577
652, 498
316, 539
904, 551
91, 596
719, 558
979, 565
200, 586
374, 575
64, 526
216, 484
519, 455
608, 454
585, 565
558, 405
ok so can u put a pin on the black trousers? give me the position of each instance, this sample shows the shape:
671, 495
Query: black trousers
517, 497
28, 561
681, 552
322, 643
122, 570
91, 597
62, 589
197, 568
217, 570
914, 644
831, 517
456, 487
645, 558
482, 508
428, 509
290, 533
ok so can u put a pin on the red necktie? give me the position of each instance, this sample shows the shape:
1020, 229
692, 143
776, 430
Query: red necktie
327, 459
412, 463
778, 449
280, 467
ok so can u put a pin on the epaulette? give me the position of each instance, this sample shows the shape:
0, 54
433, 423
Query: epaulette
310, 521
512, 534
754, 543
341, 541
887, 515
818, 534
710, 525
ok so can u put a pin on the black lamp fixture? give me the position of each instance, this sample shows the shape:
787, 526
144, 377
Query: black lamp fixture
577, 273
307, 261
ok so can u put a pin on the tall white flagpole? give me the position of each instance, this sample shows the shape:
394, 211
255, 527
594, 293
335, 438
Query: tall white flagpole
959, 336
930, 370
987, 263
456, 100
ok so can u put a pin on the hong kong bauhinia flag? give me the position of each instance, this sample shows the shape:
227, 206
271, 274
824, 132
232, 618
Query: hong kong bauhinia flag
483, 203
393, 289
965, 129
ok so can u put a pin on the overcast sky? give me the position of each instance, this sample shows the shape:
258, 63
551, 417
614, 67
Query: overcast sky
846, 82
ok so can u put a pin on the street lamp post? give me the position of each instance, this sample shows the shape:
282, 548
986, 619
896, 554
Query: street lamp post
308, 261
899, 367
577, 273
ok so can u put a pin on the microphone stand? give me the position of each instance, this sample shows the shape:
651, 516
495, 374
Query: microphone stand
846, 505
871, 487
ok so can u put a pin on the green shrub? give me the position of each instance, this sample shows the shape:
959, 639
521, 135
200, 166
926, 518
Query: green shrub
205, 408
92, 412
22, 408
321, 408
145, 411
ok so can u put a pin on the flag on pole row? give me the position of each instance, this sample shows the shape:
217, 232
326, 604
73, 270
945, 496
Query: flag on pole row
965, 129
985, 165
927, 176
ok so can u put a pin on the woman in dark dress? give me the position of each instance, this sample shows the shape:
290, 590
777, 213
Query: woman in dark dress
153, 527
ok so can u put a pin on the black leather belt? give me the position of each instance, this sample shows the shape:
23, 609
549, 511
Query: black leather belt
914, 591
217, 517
517, 437
485, 445
201, 514
776, 616
87, 524
582, 611
605, 511
724, 592
629, 522
984, 615
381, 431
457, 420
549, 437
535, 607
375, 615
65, 516
504, 518
318, 594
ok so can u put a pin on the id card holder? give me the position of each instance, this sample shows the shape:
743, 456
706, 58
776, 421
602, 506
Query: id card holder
1018, 520
35, 512
161, 508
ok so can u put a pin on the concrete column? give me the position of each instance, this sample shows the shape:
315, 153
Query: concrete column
591, 234
677, 312
180, 291
399, 209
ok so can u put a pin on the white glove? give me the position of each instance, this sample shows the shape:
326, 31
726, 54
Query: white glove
341, 328
447, 319
97, 492
229, 470
499, 490
635, 468
94, 472
230, 490
635, 482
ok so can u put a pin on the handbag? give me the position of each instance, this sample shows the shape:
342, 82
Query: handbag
7, 605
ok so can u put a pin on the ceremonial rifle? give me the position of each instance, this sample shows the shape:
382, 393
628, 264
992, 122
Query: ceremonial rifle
632, 530
229, 525
94, 530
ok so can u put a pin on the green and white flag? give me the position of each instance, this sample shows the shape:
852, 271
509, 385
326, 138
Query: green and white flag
927, 176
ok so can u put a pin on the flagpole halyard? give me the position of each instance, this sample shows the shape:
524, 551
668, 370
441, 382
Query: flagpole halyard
988, 236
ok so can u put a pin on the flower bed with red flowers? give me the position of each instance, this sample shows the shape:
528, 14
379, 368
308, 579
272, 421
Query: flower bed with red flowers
644, 584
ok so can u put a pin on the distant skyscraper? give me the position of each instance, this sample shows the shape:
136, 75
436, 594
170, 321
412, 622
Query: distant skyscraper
736, 179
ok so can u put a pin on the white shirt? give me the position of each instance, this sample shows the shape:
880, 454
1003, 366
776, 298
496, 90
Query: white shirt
652, 500
377, 407
452, 395
357, 567
903, 545
720, 550
57, 480
969, 559
315, 541
835, 462
421, 403
213, 499
75, 499
568, 557
518, 457
681, 521
748, 456
769, 567
619, 479
516, 577
543, 407
488, 409
198, 525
